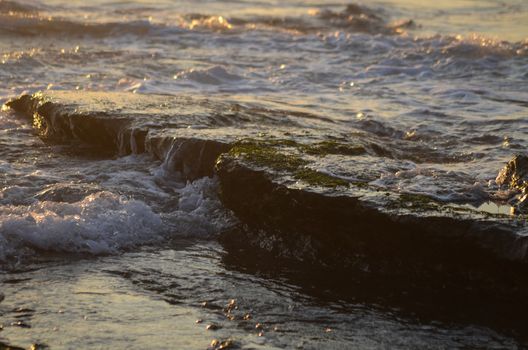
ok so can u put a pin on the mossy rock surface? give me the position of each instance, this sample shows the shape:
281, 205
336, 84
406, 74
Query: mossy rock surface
285, 157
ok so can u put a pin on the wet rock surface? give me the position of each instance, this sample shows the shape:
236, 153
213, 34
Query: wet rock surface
514, 176
270, 167
321, 219
188, 133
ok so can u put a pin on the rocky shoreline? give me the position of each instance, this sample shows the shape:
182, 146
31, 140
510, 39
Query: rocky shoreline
289, 208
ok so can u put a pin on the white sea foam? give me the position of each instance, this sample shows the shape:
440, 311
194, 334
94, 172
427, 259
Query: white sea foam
104, 222
200, 212
101, 223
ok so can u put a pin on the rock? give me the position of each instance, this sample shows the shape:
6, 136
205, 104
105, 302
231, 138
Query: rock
222, 344
123, 123
294, 211
514, 175
212, 327
5, 346
302, 188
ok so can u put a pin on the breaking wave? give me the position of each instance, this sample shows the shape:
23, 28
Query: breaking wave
25, 20
46, 26
101, 223
83, 218
7, 6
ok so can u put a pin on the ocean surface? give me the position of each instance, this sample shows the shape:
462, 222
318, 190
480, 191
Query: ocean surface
101, 252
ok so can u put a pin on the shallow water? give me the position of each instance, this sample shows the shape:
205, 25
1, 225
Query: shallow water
441, 90
153, 298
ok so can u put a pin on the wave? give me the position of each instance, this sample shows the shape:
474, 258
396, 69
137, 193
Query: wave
12, 7
357, 28
478, 46
47, 26
215, 75
199, 21
101, 223
434, 51
362, 19
353, 18
25, 20
80, 219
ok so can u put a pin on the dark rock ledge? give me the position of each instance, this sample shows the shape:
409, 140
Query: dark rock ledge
286, 205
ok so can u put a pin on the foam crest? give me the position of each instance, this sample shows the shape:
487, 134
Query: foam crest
479, 46
200, 212
26, 21
216, 23
101, 223
34, 25
362, 19
7, 6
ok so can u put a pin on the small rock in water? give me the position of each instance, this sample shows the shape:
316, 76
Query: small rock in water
226, 344
515, 173
219, 345
515, 176
212, 327
198, 321
247, 317
20, 324
259, 326
38, 346
231, 306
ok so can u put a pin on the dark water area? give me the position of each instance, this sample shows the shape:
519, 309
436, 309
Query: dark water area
263, 174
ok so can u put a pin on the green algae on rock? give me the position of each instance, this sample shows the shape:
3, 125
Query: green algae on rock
324, 148
283, 156
317, 178
267, 154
